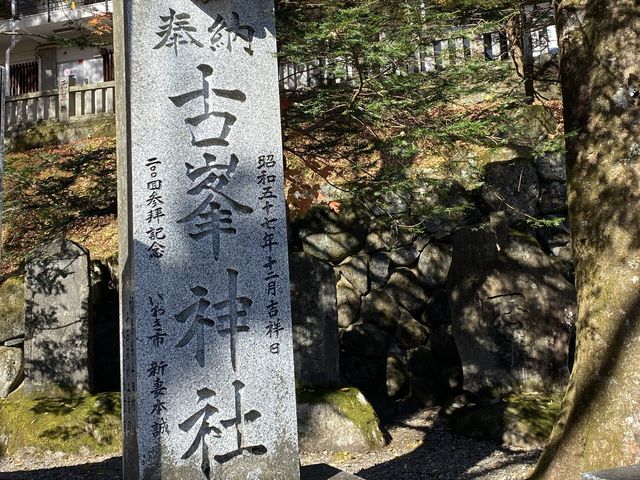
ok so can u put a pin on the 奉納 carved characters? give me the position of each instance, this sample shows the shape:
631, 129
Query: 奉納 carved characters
176, 32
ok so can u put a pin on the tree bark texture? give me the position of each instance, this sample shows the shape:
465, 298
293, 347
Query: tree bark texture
599, 426
514, 34
521, 51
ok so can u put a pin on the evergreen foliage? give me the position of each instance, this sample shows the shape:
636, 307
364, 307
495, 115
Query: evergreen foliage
378, 115
64, 190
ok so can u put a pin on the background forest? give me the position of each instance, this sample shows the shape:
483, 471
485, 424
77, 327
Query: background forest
375, 127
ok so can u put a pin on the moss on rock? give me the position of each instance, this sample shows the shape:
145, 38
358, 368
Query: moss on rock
51, 132
531, 124
523, 420
351, 403
11, 308
62, 425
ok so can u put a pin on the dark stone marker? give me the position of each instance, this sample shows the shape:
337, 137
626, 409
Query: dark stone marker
57, 346
512, 311
315, 322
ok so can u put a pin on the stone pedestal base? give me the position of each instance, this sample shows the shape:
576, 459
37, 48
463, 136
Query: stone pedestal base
325, 472
626, 473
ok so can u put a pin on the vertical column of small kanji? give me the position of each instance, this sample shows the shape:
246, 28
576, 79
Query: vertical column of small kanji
129, 407
156, 368
155, 240
155, 215
268, 181
151, 312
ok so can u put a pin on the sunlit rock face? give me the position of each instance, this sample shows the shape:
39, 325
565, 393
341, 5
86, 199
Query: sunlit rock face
57, 347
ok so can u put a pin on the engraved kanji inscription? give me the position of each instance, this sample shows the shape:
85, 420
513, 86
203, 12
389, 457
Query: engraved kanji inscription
157, 313
159, 427
209, 118
176, 30
236, 309
200, 321
238, 423
155, 210
232, 311
206, 429
267, 181
274, 328
226, 33
157, 368
211, 218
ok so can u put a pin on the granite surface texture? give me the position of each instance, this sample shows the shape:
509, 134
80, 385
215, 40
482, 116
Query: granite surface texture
625, 473
2, 129
208, 368
56, 347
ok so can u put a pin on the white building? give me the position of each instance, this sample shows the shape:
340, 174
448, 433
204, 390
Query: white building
36, 61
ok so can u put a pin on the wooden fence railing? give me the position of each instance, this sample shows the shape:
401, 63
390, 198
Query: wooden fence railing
84, 101
96, 99
438, 55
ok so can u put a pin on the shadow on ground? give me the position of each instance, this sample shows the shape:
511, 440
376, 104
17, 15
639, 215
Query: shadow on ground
106, 470
443, 455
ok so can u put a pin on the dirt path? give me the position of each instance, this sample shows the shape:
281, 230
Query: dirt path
422, 448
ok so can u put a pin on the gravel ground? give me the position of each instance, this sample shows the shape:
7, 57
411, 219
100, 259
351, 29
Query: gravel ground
422, 447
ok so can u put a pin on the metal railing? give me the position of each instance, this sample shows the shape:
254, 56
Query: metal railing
84, 101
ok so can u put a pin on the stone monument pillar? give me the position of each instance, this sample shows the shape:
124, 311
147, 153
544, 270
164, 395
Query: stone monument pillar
57, 345
3, 126
63, 98
208, 376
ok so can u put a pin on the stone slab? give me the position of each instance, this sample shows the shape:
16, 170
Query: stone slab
64, 83
11, 369
626, 473
504, 290
315, 322
2, 130
325, 472
208, 375
57, 345
11, 308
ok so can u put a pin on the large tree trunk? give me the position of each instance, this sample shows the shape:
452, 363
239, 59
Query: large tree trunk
600, 422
